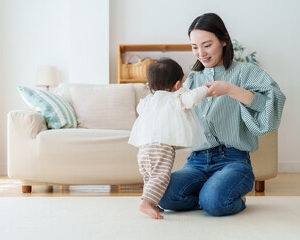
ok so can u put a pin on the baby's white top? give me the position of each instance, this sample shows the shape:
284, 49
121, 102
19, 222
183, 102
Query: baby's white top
167, 117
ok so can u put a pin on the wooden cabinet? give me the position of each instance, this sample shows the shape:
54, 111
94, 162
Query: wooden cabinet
146, 48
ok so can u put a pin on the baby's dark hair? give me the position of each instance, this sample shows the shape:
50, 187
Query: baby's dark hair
163, 74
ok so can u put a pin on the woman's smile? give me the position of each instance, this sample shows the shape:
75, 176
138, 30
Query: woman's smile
205, 60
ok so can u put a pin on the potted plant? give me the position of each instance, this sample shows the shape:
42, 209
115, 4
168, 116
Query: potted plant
240, 56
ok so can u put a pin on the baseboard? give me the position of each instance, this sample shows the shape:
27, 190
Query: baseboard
289, 167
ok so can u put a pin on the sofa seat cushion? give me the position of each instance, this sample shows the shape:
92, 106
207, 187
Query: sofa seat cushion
64, 138
85, 156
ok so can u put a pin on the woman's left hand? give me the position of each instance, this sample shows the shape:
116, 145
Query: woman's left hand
217, 88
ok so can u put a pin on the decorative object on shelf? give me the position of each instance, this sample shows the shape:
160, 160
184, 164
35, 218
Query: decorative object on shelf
239, 55
124, 73
47, 77
136, 70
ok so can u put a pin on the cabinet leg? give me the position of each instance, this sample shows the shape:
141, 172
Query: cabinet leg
259, 186
26, 189
49, 189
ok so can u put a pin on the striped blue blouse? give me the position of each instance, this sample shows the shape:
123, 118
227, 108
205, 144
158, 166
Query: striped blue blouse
229, 122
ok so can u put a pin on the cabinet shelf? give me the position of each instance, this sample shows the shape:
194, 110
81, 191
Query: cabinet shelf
146, 48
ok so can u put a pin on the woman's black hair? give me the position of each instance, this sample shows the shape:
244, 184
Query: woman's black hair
211, 22
163, 74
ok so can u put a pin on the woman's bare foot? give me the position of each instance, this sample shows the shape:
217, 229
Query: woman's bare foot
150, 209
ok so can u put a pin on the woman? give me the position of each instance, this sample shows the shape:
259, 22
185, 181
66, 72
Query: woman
242, 103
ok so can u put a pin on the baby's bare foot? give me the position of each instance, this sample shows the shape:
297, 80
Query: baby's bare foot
244, 199
148, 208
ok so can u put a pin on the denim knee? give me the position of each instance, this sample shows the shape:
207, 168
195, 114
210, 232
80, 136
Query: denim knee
213, 202
174, 198
218, 201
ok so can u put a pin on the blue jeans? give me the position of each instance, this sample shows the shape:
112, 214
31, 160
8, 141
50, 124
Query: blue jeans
213, 180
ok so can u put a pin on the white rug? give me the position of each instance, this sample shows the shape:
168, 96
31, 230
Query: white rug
106, 218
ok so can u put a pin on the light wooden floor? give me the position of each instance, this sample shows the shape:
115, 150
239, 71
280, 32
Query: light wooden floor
285, 184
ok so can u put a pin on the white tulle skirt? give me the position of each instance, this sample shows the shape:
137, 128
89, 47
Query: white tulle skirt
163, 120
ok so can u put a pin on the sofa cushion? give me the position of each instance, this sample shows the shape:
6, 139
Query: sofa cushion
104, 106
63, 90
57, 112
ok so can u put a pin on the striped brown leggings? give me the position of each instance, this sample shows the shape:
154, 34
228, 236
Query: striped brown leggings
155, 162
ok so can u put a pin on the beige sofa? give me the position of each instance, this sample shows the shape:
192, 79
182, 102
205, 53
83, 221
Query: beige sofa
84, 156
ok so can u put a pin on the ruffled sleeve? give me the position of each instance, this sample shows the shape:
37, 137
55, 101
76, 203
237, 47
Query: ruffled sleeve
263, 114
191, 98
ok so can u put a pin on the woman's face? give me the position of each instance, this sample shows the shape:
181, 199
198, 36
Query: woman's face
207, 48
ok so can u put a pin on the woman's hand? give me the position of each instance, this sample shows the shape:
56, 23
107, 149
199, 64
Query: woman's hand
218, 88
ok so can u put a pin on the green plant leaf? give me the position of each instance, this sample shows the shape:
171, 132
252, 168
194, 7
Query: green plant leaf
239, 56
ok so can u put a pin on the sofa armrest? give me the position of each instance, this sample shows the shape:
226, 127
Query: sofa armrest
22, 129
25, 124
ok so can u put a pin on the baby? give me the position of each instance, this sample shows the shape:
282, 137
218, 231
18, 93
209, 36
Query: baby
166, 121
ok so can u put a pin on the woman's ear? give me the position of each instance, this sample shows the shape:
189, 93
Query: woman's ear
224, 43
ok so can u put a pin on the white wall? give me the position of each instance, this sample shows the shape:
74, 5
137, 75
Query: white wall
71, 35
89, 41
269, 27
2, 120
